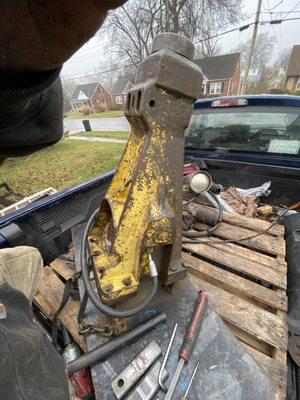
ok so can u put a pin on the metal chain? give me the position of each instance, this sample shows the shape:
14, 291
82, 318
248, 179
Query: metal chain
75, 277
87, 329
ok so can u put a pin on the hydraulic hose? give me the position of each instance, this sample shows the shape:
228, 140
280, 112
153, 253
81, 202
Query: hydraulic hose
208, 232
85, 270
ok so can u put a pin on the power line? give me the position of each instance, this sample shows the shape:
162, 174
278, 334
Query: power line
83, 56
86, 53
278, 4
81, 51
241, 28
279, 12
244, 27
275, 35
96, 74
90, 57
293, 9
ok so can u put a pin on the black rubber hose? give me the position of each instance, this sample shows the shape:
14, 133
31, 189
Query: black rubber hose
92, 357
201, 234
85, 270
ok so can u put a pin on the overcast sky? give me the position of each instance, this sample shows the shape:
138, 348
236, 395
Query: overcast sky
90, 56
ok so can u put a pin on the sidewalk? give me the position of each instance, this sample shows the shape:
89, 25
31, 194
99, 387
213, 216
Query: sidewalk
97, 139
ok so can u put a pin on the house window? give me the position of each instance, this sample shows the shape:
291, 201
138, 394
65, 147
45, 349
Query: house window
298, 84
215, 88
119, 99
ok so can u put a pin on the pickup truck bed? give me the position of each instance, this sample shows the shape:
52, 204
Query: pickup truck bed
246, 285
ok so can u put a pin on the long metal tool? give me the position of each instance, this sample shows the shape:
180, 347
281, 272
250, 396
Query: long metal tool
189, 341
136, 369
161, 372
186, 393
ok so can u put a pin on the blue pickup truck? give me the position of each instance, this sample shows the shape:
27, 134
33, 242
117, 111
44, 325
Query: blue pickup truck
248, 140
242, 141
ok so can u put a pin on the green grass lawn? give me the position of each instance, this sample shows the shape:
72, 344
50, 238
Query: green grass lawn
105, 134
105, 114
63, 165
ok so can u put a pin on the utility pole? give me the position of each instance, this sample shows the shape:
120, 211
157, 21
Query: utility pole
254, 34
167, 16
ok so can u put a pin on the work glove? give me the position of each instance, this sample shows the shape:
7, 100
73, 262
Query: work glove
21, 268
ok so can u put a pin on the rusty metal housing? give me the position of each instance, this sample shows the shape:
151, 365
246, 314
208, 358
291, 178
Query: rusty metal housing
142, 210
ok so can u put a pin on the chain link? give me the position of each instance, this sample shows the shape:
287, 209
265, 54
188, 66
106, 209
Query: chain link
75, 277
88, 329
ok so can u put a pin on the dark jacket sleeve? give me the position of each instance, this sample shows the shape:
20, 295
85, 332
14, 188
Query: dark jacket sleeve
31, 369
31, 111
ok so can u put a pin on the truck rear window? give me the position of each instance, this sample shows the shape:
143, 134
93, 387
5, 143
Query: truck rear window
273, 130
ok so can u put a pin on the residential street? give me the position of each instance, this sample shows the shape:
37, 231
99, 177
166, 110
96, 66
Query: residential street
98, 124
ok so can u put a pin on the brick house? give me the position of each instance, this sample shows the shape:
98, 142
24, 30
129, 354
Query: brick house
120, 90
292, 80
93, 95
221, 75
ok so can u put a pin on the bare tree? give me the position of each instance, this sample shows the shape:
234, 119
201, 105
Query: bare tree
134, 26
283, 58
263, 50
69, 85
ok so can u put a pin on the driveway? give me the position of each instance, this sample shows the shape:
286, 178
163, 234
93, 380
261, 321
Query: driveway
98, 124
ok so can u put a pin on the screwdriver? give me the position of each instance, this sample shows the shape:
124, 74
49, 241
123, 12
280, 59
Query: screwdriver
189, 341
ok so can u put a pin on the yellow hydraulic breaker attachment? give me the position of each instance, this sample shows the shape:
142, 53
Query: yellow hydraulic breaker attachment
142, 211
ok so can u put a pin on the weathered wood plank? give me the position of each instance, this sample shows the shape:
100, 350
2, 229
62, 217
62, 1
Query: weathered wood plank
274, 371
279, 355
258, 322
48, 300
252, 223
266, 243
250, 340
63, 268
235, 283
269, 275
252, 255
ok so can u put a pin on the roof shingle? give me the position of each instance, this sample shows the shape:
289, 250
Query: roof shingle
219, 67
86, 88
293, 68
123, 83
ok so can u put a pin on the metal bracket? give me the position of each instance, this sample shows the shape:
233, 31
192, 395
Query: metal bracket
136, 369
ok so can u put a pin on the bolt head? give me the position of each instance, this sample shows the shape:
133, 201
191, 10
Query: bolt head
107, 289
174, 42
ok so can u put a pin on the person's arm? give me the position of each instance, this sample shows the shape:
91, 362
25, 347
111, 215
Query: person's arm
36, 38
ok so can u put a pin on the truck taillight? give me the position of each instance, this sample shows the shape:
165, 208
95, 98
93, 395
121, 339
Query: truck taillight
229, 103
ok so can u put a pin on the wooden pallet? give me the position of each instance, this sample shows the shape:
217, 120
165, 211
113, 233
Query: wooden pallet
50, 295
246, 285
246, 282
